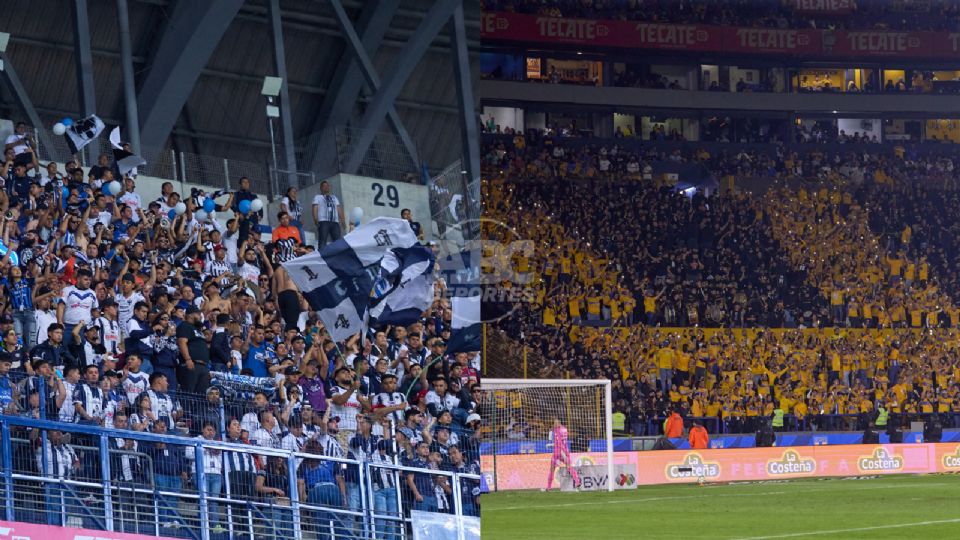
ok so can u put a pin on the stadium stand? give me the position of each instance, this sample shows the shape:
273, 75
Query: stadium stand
160, 374
118, 315
710, 281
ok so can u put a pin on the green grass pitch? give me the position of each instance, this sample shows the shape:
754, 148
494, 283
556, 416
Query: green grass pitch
885, 507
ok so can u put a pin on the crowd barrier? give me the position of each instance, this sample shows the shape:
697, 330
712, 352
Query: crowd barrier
733, 465
153, 484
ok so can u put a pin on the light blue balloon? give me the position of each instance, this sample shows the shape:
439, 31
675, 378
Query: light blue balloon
66, 192
14, 258
209, 205
244, 207
67, 122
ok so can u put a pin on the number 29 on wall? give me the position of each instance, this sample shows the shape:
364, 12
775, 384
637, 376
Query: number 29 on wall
393, 195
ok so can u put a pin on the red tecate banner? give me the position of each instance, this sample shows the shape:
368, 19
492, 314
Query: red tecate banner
530, 471
597, 33
28, 531
588, 33
824, 7
772, 41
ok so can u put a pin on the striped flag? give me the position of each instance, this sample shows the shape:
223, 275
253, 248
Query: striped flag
337, 281
465, 336
404, 288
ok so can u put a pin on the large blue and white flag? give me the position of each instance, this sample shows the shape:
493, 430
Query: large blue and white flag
404, 288
337, 280
465, 335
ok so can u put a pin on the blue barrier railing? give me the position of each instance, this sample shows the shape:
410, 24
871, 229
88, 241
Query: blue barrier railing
37, 484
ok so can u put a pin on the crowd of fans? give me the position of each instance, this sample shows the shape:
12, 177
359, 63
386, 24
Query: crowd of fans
668, 294
158, 316
939, 15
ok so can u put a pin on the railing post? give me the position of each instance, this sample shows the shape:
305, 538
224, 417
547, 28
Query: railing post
107, 484
457, 500
8, 470
365, 508
294, 497
201, 476
173, 164
44, 451
226, 174
183, 168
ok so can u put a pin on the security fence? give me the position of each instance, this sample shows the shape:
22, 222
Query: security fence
154, 483
455, 202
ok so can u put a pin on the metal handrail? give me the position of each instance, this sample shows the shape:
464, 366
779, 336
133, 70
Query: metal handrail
366, 514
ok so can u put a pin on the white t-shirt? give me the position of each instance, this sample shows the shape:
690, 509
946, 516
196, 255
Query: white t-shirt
250, 272
20, 148
294, 212
134, 201
125, 308
348, 411
44, 320
78, 305
327, 207
229, 241
99, 217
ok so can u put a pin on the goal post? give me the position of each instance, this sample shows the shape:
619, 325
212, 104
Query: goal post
522, 420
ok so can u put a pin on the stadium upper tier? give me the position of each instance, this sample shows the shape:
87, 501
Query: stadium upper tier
844, 14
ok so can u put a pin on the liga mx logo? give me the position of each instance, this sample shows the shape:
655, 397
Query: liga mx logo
624, 480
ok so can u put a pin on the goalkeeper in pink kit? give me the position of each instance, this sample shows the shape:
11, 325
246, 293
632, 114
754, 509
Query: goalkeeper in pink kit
561, 454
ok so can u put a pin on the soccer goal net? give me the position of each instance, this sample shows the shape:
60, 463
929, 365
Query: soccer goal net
544, 433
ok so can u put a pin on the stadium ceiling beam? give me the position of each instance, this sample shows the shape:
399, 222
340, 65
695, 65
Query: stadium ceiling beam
242, 77
192, 35
132, 130
83, 59
345, 85
465, 97
23, 100
409, 57
313, 17
351, 83
280, 64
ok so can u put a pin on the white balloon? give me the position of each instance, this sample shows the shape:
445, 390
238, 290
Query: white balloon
256, 205
59, 129
201, 215
115, 187
356, 214
179, 208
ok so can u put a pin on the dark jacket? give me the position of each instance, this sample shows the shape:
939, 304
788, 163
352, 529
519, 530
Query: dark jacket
57, 355
220, 348
133, 344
